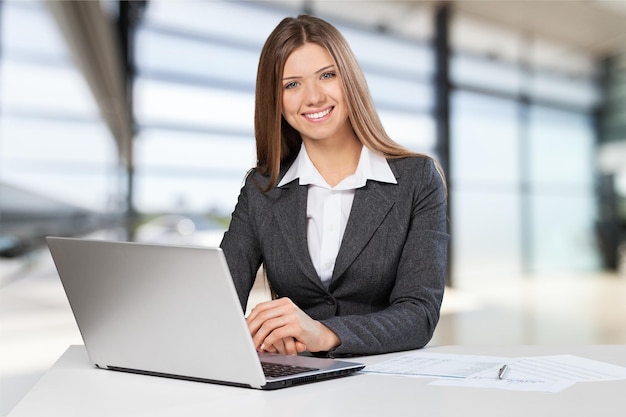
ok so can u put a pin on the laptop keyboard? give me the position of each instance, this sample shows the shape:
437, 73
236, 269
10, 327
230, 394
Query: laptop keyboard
274, 370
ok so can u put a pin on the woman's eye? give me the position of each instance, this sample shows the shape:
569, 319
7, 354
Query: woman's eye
328, 75
292, 84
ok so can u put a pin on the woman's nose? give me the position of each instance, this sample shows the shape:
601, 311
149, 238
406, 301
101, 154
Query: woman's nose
313, 94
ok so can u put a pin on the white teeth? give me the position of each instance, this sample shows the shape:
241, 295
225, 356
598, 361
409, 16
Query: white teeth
318, 115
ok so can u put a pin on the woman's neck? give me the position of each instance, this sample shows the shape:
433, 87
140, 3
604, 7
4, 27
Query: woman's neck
335, 160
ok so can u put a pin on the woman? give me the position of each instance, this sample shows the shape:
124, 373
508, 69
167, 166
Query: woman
349, 226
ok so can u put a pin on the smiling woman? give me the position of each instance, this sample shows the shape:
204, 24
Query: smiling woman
350, 227
313, 104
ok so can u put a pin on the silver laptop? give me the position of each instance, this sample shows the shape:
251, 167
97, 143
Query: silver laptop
171, 311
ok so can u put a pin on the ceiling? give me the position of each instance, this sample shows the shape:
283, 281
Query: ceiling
569, 35
596, 27
591, 28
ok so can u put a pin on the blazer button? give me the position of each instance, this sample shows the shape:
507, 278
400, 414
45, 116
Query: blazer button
330, 301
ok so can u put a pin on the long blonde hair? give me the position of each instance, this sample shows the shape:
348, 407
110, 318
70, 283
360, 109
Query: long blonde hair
276, 140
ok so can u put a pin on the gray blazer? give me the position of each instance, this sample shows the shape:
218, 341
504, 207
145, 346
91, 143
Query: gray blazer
387, 286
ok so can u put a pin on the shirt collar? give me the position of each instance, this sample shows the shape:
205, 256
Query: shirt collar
371, 167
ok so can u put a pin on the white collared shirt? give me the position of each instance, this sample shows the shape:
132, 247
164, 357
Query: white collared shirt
328, 208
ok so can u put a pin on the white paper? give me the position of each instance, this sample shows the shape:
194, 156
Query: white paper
506, 384
540, 373
438, 365
543, 373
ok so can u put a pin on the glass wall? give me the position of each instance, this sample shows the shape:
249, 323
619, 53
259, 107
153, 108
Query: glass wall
522, 133
522, 162
52, 139
486, 207
59, 170
562, 204
194, 98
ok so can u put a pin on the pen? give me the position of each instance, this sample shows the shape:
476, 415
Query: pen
502, 371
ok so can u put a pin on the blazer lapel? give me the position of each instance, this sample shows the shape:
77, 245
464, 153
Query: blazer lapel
371, 205
290, 211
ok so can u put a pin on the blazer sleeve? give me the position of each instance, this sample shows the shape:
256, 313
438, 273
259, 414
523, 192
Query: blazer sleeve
241, 244
415, 299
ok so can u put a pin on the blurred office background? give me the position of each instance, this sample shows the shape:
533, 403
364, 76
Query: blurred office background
134, 121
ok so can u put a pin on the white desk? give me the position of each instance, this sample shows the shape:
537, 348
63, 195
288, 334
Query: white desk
73, 388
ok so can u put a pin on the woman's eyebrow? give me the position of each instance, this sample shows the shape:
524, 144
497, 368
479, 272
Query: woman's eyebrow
324, 69
316, 72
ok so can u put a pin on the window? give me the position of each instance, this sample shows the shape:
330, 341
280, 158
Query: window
522, 158
52, 140
194, 98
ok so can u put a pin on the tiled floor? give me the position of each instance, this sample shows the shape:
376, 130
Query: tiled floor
36, 323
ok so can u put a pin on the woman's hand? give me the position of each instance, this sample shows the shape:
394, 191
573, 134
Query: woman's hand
279, 326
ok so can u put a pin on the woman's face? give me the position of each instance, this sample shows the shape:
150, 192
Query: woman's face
313, 102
